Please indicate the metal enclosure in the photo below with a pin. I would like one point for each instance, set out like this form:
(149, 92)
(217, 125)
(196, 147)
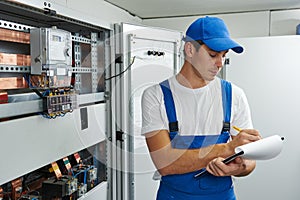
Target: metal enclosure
(144, 56)
(268, 71)
(29, 141)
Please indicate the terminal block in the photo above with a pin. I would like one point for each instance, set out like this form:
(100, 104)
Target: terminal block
(63, 103)
(58, 103)
(91, 177)
(82, 189)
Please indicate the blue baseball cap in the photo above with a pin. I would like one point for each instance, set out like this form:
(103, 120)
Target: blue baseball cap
(213, 32)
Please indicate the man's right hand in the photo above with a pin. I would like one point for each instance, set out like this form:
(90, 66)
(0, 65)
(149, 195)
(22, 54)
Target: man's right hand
(245, 136)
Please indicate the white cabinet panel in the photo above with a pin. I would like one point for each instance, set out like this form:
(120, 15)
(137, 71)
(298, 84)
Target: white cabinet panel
(33, 142)
(269, 73)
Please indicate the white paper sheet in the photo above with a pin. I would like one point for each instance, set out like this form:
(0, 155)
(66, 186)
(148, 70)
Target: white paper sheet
(264, 149)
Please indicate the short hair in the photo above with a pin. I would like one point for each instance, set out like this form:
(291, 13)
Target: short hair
(196, 43)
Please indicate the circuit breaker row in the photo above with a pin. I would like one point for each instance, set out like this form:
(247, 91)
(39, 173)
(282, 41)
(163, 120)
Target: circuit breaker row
(58, 180)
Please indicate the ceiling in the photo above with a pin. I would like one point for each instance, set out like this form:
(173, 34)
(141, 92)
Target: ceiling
(146, 9)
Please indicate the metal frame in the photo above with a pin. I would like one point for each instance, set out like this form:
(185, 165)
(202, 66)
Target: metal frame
(15, 69)
(117, 92)
(81, 39)
(94, 59)
(77, 60)
(110, 108)
(14, 26)
(122, 90)
(36, 105)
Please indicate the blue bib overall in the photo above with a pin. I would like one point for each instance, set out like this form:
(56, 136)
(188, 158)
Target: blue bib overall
(185, 186)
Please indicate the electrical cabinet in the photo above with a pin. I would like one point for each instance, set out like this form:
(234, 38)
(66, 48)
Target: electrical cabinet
(53, 104)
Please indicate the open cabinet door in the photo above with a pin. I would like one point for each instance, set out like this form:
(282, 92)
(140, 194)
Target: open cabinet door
(144, 56)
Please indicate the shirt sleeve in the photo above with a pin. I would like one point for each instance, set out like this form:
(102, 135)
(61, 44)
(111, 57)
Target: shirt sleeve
(153, 111)
(241, 111)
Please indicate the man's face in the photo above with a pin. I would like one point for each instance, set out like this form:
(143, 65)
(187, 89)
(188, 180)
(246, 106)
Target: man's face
(207, 63)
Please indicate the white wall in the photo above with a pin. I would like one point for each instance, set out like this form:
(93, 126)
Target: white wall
(247, 24)
(285, 22)
(250, 24)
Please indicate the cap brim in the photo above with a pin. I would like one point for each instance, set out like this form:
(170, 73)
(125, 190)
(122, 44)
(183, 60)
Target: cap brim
(223, 44)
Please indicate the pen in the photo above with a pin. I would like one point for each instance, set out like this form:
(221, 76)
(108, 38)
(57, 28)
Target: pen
(226, 161)
(237, 129)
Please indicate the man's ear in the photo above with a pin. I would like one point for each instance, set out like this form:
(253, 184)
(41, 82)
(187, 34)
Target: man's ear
(189, 49)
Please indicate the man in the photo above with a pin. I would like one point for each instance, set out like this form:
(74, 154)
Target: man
(188, 119)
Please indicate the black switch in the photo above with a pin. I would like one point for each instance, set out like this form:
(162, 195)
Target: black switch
(84, 118)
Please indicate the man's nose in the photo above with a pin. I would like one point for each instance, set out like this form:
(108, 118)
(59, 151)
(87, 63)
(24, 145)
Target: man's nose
(220, 61)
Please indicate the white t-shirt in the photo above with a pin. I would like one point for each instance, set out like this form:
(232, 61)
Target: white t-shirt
(199, 111)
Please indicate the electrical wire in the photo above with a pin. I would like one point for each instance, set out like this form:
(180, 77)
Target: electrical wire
(27, 79)
(85, 173)
(84, 179)
(81, 171)
(122, 71)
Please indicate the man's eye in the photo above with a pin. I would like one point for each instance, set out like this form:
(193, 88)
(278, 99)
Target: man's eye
(213, 55)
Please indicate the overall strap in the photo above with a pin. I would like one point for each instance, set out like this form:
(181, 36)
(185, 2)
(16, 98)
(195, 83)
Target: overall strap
(170, 106)
(227, 102)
